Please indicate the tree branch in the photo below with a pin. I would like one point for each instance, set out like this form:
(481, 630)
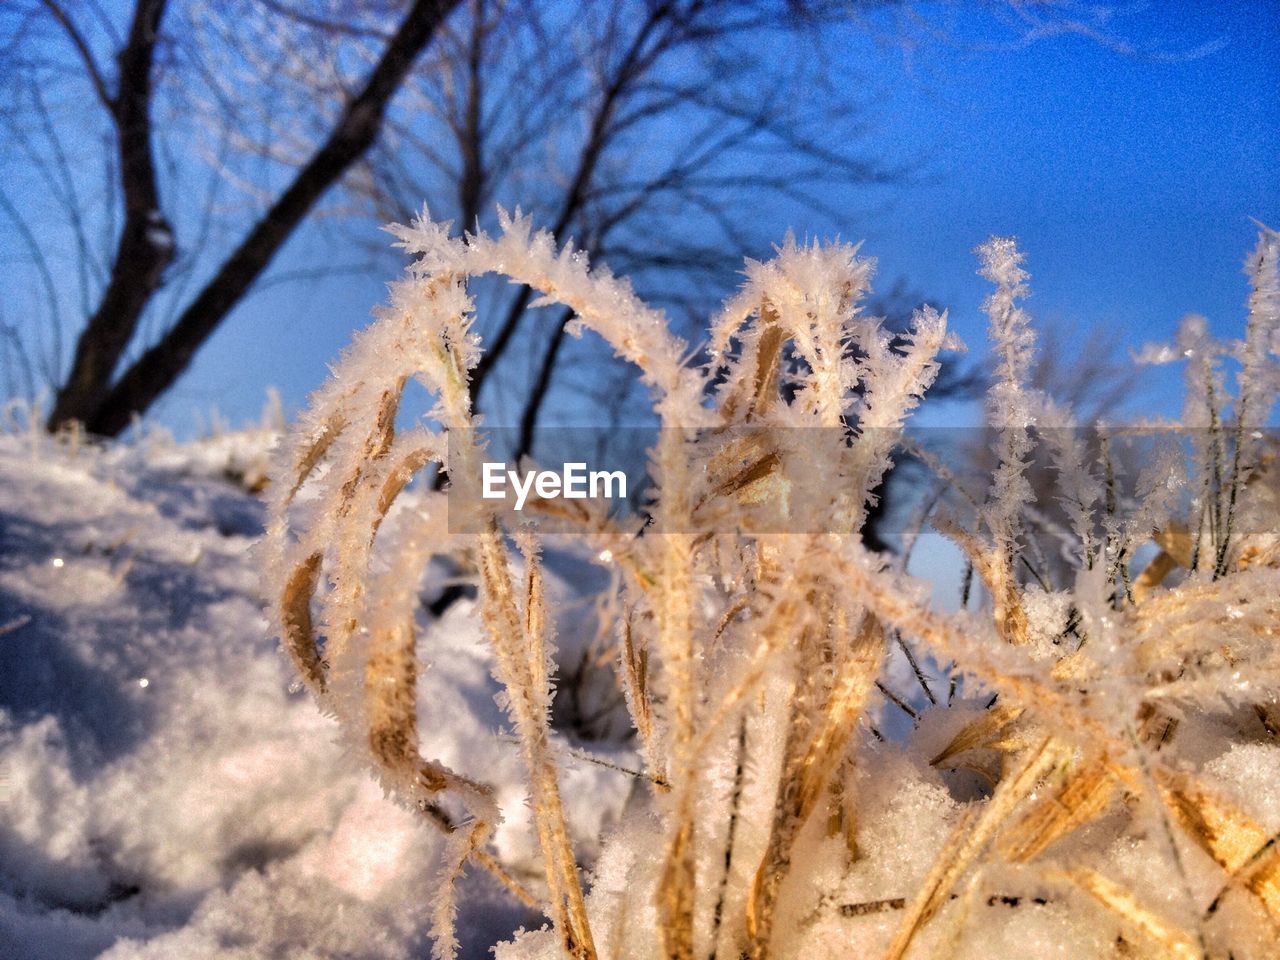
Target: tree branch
(82, 48)
(354, 132)
(633, 63)
(529, 419)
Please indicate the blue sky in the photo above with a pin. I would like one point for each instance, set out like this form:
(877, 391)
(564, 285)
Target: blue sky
(1129, 182)
(1129, 179)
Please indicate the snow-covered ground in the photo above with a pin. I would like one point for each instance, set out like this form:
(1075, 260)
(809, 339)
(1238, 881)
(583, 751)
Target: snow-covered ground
(168, 791)
(165, 789)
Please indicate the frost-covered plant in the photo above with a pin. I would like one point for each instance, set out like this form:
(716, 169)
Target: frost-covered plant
(1122, 726)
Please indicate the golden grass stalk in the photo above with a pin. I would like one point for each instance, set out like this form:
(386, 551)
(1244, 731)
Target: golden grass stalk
(810, 772)
(969, 839)
(1238, 844)
(520, 647)
(709, 603)
(1159, 931)
(1084, 793)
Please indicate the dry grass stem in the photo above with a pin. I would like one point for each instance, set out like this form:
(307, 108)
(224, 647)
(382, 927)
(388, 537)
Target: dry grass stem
(1116, 708)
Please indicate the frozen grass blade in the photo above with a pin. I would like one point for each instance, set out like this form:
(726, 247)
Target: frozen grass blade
(750, 623)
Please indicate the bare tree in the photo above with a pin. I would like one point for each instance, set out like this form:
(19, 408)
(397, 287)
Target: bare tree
(653, 134)
(650, 133)
(179, 150)
(95, 391)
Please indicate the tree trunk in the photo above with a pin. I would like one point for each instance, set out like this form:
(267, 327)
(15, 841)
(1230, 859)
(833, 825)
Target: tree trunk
(145, 247)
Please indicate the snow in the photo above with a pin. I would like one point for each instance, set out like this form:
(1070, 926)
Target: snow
(165, 788)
